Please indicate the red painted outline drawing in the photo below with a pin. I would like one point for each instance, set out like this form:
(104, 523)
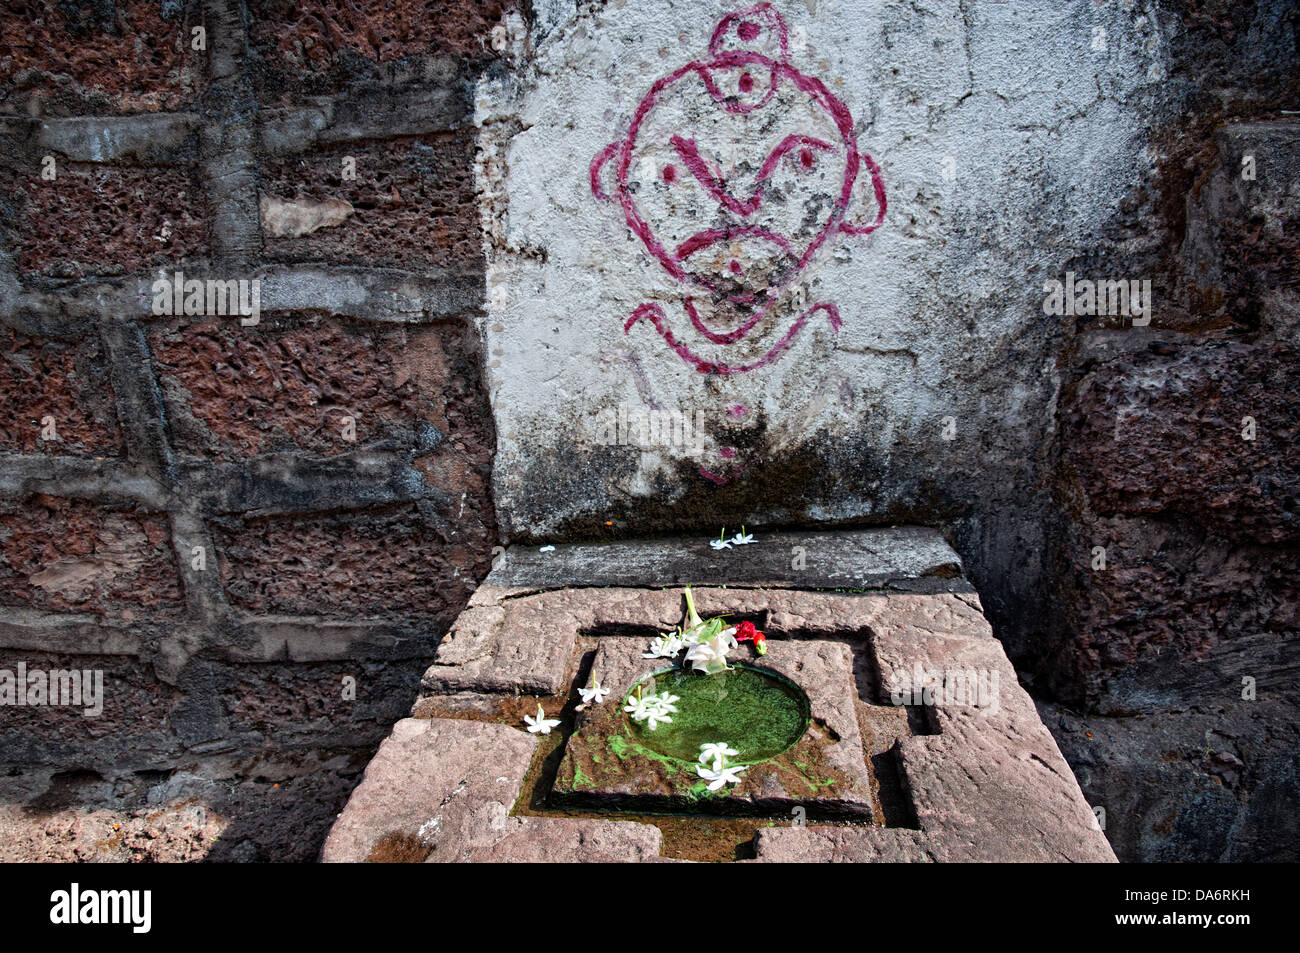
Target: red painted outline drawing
(728, 76)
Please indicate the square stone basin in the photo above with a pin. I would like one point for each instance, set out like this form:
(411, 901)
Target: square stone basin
(612, 763)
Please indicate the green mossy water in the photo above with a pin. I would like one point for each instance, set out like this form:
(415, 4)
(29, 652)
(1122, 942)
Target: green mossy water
(759, 713)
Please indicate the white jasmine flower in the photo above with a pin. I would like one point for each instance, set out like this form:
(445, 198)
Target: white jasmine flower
(657, 716)
(720, 543)
(741, 538)
(718, 752)
(541, 724)
(666, 646)
(654, 710)
(711, 657)
(717, 777)
(638, 708)
(661, 708)
(594, 695)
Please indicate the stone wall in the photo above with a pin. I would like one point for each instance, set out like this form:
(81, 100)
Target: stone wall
(235, 522)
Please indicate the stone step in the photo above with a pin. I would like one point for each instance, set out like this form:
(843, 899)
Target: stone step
(827, 559)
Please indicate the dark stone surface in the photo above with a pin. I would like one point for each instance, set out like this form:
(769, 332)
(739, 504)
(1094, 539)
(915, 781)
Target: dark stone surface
(910, 556)
(1211, 783)
(1149, 658)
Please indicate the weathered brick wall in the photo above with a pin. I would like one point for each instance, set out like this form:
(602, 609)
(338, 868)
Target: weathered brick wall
(201, 524)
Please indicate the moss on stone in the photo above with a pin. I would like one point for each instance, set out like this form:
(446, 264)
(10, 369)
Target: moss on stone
(757, 712)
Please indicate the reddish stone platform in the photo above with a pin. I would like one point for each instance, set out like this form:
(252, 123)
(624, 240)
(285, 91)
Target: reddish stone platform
(962, 775)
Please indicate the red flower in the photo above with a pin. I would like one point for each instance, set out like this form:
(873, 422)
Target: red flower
(745, 632)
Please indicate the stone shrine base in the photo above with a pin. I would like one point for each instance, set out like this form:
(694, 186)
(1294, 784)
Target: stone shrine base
(888, 770)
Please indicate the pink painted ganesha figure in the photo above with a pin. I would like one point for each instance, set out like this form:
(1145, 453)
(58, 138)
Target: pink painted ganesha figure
(735, 171)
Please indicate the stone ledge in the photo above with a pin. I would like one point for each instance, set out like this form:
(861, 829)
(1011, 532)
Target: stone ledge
(827, 845)
(990, 782)
(817, 844)
(531, 840)
(520, 641)
(483, 653)
(836, 559)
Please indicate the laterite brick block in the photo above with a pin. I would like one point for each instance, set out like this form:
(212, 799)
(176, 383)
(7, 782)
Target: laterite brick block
(234, 392)
(412, 199)
(96, 220)
(64, 59)
(44, 381)
(78, 556)
(319, 46)
(392, 563)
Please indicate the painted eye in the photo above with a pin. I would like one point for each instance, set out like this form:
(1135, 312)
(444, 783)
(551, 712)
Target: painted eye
(746, 83)
(670, 173)
(807, 160)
